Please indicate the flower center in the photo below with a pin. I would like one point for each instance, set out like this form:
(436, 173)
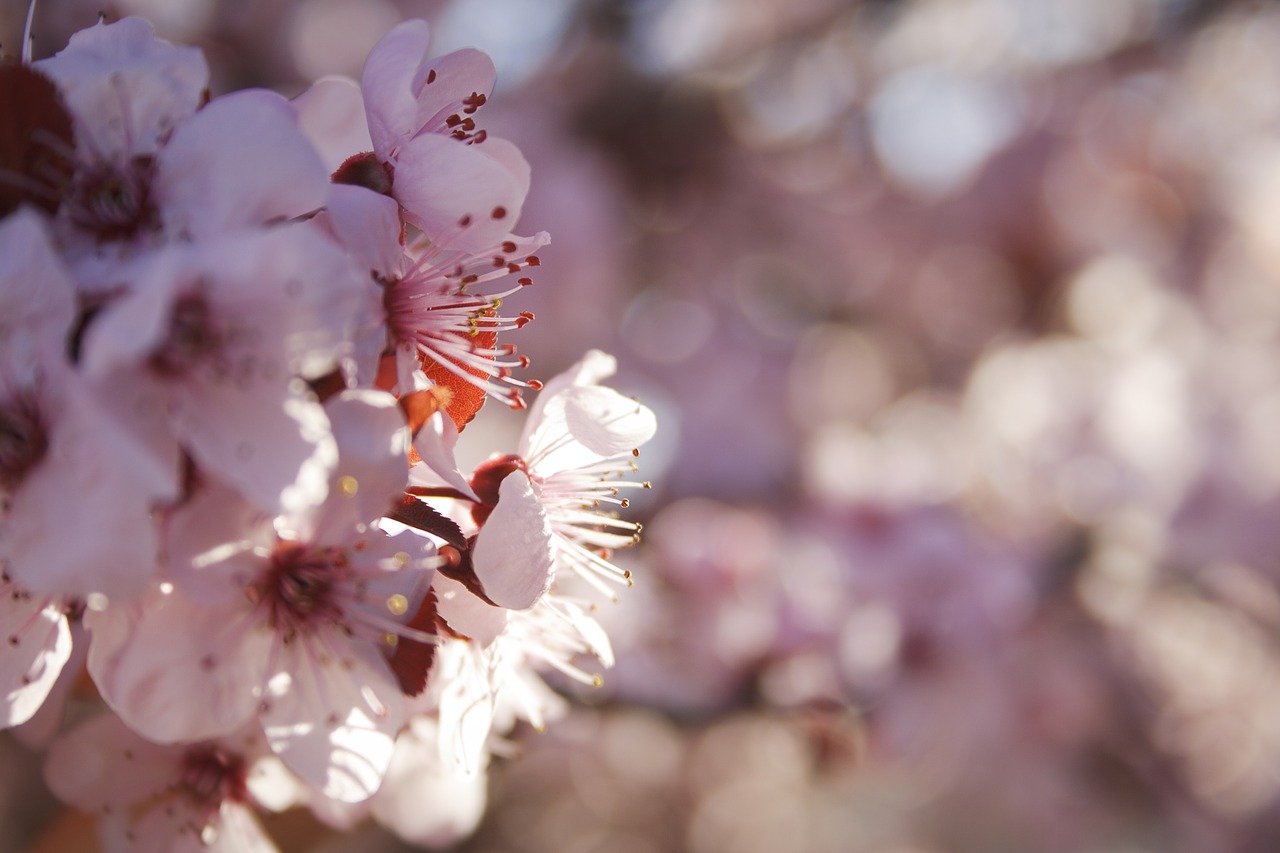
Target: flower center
(299, 589)
(114, 202)
(211, 776)
(24, 439)
(364, 170)
(191, 338)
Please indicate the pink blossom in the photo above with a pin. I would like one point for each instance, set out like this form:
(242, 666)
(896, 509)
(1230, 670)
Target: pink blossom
(164, 797)
(62, 455)
(576, 448)
(225, 332)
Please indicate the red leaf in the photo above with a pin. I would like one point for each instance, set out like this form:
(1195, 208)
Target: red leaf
(411, 661)
(36, 140)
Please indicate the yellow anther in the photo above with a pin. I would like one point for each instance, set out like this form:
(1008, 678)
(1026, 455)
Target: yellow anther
(348, 485)
(398, 604)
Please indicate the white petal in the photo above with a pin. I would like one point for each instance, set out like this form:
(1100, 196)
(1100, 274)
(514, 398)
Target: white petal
(605, 422)
(367, 225)
(176, 670)
(332, 715)
(454, 78)
(126, 88)
(462, 611)
(423, 801)
(372, 468)
(36, 295)
(38, 645)
(237, 831)
(331, 114)
(102, 763)
(273, 446)
(390, 103)
(443, 183)
(240, 161)
(435, 442)
(513, 554)
(97, 475)
(593, 368)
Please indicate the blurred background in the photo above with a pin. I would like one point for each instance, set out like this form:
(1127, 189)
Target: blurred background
(962, 322)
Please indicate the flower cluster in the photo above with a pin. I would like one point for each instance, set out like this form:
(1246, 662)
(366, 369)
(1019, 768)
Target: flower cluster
(239, 337)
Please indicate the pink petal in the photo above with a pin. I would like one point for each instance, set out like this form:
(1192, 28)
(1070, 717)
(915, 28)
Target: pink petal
(274, 447)
(331, 114)
(103, 764)
(513, 554)
(98, 475)
(372, 469)
(468, 615)
(126, 88)
(391, 105)
(423, 801)
(332, 714)
(367, 225)
(177, 670)
(443, 83)
(435, 442)
(38, 646)
(466, 197)
(240, 161)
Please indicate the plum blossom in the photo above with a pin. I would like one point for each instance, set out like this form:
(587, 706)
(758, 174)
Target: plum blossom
(441, 306)
(460, 186)
(574, 456)
(224, 333)
(285, 619)
(61, 453)
(154, 797)
(236, 354)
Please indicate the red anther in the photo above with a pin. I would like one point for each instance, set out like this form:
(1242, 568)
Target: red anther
(513, 268)
(500, 212)
(508, 349)
(524, 282)
(453, 120)
(508, 247)
(480, 136)
(517, 402)
(499, 263)
(468, 124)
(504, 373)
(524, 361)
(470, 279)
(473, 103)
(431, 76)
(536, 384)
(465, 221)
(533, 261)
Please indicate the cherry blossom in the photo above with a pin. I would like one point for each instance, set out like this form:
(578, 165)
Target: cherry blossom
(154, 797)
(574, 455)
(239, 338)
(60, 450)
